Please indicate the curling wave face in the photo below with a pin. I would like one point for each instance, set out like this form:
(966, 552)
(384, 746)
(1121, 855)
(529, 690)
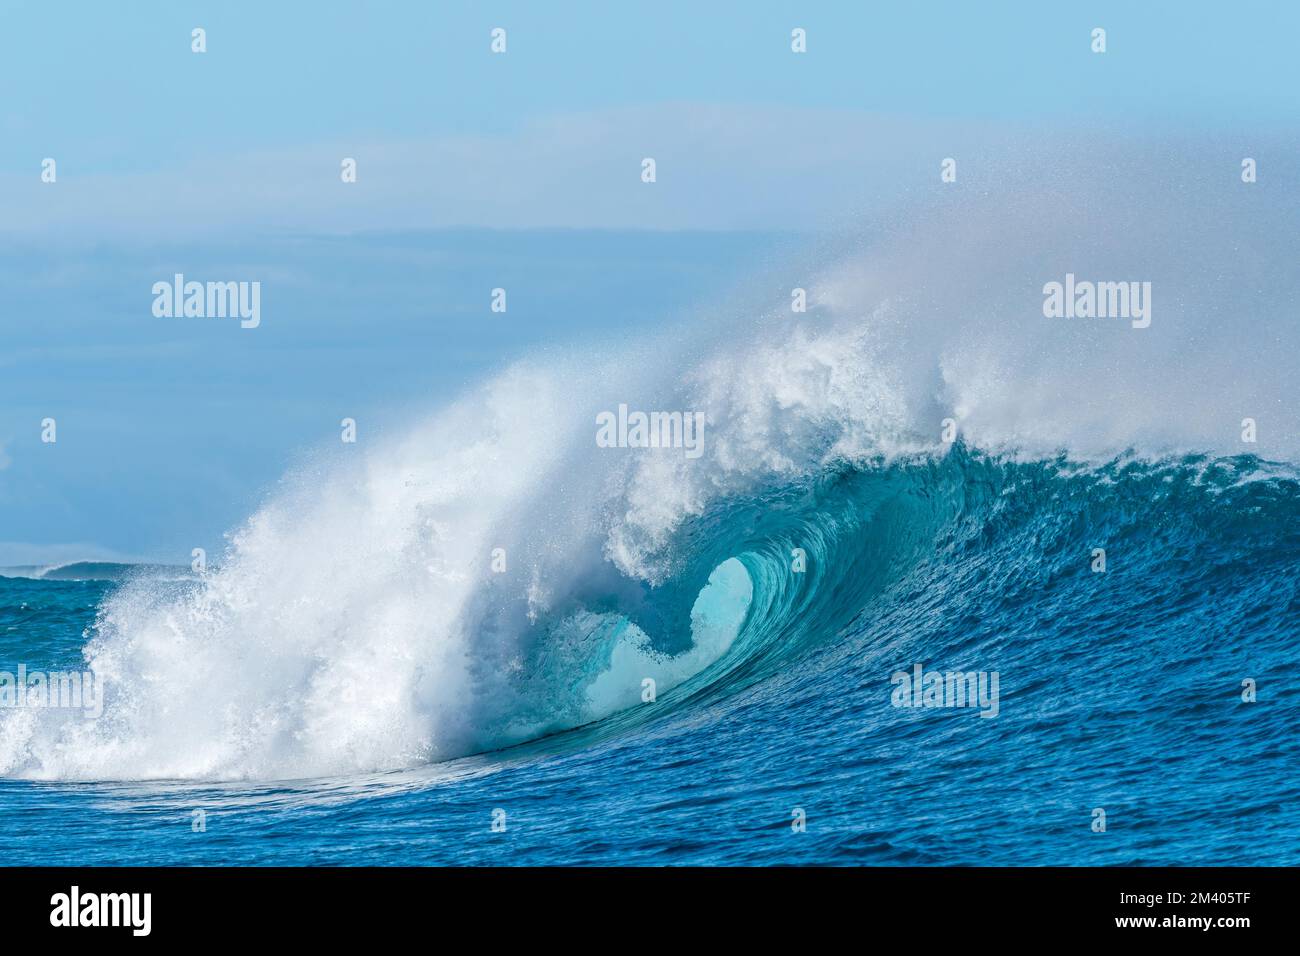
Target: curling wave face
(496, 577)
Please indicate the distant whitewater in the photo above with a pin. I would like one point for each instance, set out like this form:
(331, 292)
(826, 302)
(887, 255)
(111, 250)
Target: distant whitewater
(91, 571)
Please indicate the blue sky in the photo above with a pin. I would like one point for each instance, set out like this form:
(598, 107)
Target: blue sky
(152, 137)
(228, 163)
(118, 87)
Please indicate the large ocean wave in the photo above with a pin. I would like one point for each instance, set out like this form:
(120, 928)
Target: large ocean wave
(362, 619)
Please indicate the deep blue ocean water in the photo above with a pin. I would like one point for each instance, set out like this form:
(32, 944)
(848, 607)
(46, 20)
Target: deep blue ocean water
(1119, 690)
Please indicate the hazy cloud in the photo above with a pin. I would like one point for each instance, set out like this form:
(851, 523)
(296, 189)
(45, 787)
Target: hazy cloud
(719, 167)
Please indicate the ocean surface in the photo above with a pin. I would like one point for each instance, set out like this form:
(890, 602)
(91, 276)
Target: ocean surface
(1119, 690)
